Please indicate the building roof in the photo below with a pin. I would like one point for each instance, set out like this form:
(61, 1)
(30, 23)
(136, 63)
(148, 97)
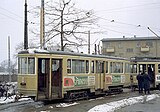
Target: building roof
(129, 39)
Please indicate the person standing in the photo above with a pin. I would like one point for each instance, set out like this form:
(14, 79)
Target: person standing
(140, 82)
(147, 80)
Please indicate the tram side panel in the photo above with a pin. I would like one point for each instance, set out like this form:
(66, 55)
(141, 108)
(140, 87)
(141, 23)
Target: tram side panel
(115, 78)
(76, 82)
(27, 78)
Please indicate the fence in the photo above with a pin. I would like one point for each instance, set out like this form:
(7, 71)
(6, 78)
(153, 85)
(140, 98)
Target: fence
(5, 77)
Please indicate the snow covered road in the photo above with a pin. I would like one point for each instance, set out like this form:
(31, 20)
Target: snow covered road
(112, 106)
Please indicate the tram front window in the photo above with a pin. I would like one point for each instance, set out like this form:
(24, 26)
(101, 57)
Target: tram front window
(26, 65)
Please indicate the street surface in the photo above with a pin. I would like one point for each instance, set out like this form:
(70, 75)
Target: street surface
(150, 106)
(84, 105)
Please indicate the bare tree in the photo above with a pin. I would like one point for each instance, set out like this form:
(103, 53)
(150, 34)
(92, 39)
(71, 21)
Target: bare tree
(4, 66)
(67, 24)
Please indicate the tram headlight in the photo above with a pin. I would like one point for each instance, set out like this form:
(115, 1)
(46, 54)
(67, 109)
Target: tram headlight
(23, 82)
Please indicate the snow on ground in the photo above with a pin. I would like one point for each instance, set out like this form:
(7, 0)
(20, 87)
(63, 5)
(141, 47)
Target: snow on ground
(12, 90)
(112, 106)
(66, 104)
(4, 100)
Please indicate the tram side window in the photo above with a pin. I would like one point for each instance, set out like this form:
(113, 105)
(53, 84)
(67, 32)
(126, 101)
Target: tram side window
(133, 68)
(69, 66)
(111, 67)
(43, 66)
(92, 67)
(127, 68)
(55, 65)
(116, 67)
(31, 65)
(87, 66)
(78, 66)
(158, 68)
(99, 67)
(106, 67)
(19, 65)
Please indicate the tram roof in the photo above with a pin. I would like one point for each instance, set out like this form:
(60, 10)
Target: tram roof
(41, 51)
(145, 59)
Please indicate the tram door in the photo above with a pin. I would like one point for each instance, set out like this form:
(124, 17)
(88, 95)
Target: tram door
(56, 78)
(150, 68)
(43, 78)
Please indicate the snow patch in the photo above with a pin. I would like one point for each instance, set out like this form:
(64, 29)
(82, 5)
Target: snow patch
(32, 51)
(11, 99)
(66, 104)
(112, 106)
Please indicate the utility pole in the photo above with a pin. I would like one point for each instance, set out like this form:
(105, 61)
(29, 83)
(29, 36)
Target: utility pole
(62, 48)
(42, 34)
(9, 59)
(89, 44)
(98, 49)
(95, 49)
(25, 27)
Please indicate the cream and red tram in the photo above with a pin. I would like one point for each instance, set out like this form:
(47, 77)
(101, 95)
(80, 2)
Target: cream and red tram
(47, 75)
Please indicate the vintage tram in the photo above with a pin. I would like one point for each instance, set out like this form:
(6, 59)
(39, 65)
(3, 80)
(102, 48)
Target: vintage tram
(151, 65)
(48, 75)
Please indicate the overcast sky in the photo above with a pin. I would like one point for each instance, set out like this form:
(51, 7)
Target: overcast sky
(127, 15)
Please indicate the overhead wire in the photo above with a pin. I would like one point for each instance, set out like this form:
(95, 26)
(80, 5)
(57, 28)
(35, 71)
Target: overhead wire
(129, 7)
(10, 12)
(11, 18)
(118, 22)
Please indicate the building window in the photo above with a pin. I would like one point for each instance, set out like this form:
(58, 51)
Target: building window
(119, 45)
(138, 44)
(129, 50)
(149, 44)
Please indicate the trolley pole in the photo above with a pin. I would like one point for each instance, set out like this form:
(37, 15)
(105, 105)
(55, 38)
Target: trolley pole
(9, 59)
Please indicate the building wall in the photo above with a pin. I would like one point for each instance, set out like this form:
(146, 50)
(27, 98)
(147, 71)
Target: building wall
(132, 48)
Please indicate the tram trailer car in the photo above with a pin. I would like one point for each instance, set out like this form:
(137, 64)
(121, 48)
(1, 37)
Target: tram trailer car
(48, 75)
(152, 66)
